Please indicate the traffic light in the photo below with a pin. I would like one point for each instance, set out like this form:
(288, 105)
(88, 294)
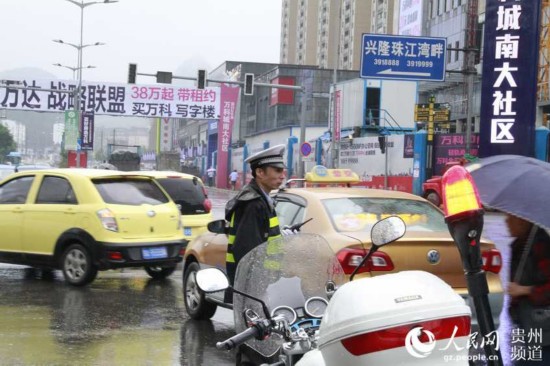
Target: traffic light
(164, 77)
(201, 79)
(132, 71)
(248, 84)
(382, 143)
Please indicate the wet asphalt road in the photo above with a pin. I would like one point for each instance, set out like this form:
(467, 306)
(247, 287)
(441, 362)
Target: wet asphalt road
(122, 318)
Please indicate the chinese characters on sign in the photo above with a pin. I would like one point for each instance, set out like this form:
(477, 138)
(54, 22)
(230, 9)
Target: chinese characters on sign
(337, 114)
(87, 131)
(115, 99)
(440, 112)
(452, 147)
(400, 57)
(71, 130)
(526, 345)
(410, 17)
(508, 98)
(228, 101)
(165, 134)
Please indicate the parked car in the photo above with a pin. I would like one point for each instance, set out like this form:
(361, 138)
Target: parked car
(189, 193)
(344, 217)
(85, 220)
(431, 188)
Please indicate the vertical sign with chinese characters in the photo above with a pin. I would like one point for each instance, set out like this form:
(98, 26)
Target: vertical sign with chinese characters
(71, 130)
(337, 114)
(410, 17)
(165, 134)
(228, 104)
(508, 95)
(87, 129)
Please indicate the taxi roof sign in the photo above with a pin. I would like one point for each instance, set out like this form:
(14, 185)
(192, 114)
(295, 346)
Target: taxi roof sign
(320, 174)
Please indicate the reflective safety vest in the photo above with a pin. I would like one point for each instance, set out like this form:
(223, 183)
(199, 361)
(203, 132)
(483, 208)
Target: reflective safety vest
(273, 233)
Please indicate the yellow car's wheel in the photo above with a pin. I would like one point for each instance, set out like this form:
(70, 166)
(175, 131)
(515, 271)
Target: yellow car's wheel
(77, 266)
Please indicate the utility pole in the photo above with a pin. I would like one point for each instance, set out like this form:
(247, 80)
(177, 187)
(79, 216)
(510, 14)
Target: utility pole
(302, 133)
(469, 69)
(333, 133)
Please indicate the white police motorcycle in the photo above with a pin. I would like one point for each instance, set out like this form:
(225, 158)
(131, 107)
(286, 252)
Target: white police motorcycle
(293, 306)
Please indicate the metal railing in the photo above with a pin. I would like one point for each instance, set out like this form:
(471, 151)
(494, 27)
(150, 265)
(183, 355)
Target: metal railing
(382, 119)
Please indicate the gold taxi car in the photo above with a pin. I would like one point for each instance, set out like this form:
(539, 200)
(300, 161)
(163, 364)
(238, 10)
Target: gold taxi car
(344, 216)
(85, 220)
(189, 193)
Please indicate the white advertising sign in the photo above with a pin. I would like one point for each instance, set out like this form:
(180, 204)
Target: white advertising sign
(115, 99)
(410, 17)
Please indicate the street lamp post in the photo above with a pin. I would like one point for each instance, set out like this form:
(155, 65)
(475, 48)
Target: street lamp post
(74, 69)
(81, 4)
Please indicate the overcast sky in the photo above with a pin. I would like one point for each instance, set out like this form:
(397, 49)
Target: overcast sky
(159, 35)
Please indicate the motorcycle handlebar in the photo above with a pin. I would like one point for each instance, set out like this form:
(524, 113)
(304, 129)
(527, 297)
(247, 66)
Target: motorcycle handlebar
(237, 340)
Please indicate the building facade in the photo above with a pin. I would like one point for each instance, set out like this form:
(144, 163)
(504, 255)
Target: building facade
(327, 33)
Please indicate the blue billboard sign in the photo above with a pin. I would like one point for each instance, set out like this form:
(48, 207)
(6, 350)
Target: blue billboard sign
(406, 58)
(509, 84)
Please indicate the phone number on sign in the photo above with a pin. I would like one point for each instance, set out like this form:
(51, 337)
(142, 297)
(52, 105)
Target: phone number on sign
(386, 62)
(420, 63)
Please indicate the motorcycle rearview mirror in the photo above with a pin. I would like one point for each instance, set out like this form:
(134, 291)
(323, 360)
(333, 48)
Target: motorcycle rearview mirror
(387, 230)
(384, 232)
(212, 280)
(217, 227)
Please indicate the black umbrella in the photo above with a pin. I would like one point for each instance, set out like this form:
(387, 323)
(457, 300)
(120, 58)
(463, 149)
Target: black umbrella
(517, 185)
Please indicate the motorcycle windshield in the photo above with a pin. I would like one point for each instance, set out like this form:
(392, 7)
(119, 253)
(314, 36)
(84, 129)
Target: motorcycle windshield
(285, 271)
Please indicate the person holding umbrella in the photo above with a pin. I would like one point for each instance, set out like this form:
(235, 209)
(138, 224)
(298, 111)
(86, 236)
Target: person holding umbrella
(519, 186)
(529, 290)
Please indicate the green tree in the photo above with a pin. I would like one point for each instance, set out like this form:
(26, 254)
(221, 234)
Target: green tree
(7, 143)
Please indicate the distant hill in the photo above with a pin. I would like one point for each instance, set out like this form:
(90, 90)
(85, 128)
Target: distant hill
(26, 73)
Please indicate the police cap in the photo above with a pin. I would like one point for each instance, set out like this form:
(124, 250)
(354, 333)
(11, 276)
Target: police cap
(268, 157)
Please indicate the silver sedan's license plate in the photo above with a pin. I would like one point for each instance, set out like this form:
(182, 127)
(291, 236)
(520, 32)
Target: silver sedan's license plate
(154, 253)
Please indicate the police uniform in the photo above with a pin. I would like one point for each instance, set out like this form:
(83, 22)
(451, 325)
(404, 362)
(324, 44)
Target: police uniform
(251, 214)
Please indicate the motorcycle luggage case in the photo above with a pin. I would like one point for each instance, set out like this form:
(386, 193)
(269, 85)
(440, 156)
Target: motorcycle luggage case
(370, 321)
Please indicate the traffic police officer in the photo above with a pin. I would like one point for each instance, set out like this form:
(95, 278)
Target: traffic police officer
(251, 213)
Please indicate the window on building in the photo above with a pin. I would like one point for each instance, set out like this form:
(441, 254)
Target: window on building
(457, 45)
(440, 7)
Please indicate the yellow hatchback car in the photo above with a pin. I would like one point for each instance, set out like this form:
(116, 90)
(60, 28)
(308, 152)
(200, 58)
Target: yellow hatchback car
(85, 220)
(344, 216)
(189, 193)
